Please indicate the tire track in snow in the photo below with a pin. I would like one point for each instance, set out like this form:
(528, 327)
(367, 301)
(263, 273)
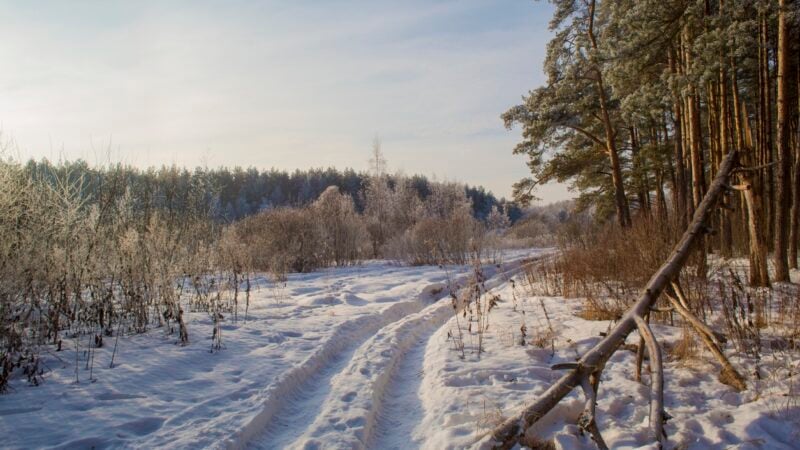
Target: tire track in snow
(349, 414)
(301, 405)
(375, 398)
(292, 402)
(402, 409)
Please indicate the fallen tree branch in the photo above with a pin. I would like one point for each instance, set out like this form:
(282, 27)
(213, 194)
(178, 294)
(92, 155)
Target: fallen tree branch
(640, 355)
(718, 339)
(588, 418)
(656, 380)
(679, 294)
(509, 432)
(729, 375)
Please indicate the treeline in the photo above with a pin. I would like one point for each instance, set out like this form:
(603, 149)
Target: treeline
(233, 194)
(645, 98)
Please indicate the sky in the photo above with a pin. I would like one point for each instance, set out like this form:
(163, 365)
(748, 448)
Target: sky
(284, 84)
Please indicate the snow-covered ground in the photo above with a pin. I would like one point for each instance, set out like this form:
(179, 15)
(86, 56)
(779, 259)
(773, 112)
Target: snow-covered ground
(362, 357)
(466, 398)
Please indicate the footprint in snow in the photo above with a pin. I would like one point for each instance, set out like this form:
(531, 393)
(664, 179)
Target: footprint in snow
(142, 427)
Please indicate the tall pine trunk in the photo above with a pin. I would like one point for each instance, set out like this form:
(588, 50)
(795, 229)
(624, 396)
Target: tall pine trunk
(726, 233)
(795, 213)
(679, 194)
(783, 169)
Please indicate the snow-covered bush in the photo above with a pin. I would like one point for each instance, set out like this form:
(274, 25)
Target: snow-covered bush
(391, 208)
(497, 224)
(342, 230)
(445, 233)
(284, 240)
(235, 260)
(84, 260)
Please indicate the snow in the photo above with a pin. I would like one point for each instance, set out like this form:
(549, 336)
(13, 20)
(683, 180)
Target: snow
(470, 397)
(360, 357)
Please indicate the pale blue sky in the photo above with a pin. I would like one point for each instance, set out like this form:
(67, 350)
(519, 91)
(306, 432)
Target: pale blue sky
(291, 84)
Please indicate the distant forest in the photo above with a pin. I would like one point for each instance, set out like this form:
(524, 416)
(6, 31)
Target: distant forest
(233, 194)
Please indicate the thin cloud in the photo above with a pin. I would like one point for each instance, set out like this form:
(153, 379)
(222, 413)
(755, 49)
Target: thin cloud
(276, 84)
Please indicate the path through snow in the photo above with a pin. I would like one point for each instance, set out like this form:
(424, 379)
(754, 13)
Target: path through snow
(402, 410)
(360, 358)
(291, 411)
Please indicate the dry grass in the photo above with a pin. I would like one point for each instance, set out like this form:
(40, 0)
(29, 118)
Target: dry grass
(491, 416)
(608, 266)
(686, 348)
(543, 278)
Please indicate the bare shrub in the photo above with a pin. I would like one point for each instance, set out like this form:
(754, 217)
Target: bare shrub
(447, 232)
(743, 311)
(281, 240)
(608, 266)
(329, 232)
(541, 225)
(392, 206)
(497, 225)
(685, 349)
(435, 240)
(234, 258)
(378, 197)
(84, 260)
(343, 232)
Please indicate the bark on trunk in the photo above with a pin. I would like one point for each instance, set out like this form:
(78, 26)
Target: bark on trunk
(783, 192)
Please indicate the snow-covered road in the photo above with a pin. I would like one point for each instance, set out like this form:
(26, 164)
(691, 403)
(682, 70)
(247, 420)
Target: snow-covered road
(361, 358)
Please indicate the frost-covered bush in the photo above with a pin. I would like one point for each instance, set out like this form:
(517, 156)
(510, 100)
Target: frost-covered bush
(284, 240)
(329, 232)
(392, 206)
(497, 224)
(84, 261)
(342, 230)
(446, 232)
(439, 240)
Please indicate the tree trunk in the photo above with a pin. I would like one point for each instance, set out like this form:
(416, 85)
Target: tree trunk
(698, 175)
(620, 200)
(640, 175)
(661, 200)
(679, 186)
(759, 274)
(766, 180)
(795, 213)
(783, 191)
(752, 197)
(726, 234)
